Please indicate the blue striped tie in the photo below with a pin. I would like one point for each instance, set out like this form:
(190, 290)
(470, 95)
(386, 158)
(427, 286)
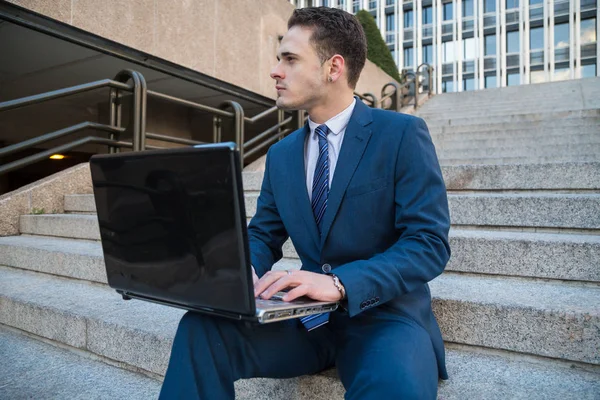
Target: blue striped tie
(320, 193)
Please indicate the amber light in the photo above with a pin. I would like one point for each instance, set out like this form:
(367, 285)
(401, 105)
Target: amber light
(57, 157)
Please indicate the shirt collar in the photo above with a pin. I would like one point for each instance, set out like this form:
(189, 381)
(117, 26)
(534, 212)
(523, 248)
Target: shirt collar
(338, 123)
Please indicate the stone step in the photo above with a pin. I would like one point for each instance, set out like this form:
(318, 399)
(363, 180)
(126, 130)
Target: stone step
(32, 369)
(529, 209)
(35, 369)
(525, 254)
(514, 138)
(529, 150)
(80, 203)
(579, 158)
(547, 319)
(576, 121)
(437, 120)
(63, 225)
(78, 259)
(505, 176)
(466, 110)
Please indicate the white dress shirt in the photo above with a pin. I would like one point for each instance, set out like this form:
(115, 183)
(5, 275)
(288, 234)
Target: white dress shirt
(337, 128)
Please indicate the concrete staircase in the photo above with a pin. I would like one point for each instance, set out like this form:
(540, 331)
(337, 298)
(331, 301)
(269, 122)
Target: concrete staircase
(518, 305)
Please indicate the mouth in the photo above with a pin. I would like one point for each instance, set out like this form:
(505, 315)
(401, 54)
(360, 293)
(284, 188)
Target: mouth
(279, 88)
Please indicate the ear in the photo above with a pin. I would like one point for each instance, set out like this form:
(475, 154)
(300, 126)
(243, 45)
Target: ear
(337, 67)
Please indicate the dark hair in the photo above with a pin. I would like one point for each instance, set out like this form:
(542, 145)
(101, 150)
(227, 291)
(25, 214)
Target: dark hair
(335, 32)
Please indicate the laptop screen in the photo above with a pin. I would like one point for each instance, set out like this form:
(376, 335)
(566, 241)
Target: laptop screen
(173, 226)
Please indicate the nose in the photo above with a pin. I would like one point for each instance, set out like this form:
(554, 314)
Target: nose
(276, 72)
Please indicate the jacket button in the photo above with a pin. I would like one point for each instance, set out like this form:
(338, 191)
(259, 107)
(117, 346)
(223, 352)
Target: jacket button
(326, 268)
(377, 299)
(362, 305)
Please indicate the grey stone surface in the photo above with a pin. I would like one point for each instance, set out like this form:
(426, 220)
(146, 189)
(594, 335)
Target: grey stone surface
(566, 175)
(513, 209)
(523, 176)
(90, 317)
(551, 319)
(517, 116)
(519, 160)
(568, 152)
(252, 179)
(486, 129)
(526, 254)
(526, 210)
(80, 203)
(525, 139)
(35, 370)
(62, 225)
(542, 255)
(80, 259)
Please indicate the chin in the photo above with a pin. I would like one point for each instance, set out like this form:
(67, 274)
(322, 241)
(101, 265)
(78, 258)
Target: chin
(288, 104)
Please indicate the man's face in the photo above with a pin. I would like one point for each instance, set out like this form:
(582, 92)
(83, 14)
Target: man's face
(300, 78)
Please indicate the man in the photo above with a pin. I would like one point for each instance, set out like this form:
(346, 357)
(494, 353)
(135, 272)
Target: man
(360, 193)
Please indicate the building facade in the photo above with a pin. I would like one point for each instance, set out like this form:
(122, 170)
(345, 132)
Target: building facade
(480, 44)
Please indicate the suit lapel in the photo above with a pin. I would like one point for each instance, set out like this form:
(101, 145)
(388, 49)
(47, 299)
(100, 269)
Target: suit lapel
(355, 141)
(298, 174)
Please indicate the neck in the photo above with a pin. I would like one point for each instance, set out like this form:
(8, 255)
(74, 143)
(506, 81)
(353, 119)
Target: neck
(331, 107)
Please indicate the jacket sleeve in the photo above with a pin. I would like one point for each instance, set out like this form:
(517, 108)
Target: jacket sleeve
(266, 232)
(422, 223)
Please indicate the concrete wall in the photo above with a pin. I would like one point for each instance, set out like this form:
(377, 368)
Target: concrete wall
(232, 40)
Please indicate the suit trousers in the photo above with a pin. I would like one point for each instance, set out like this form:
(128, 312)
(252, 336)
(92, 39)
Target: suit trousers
(378, 356)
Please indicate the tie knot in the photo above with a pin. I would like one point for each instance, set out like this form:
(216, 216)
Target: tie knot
(322, 131)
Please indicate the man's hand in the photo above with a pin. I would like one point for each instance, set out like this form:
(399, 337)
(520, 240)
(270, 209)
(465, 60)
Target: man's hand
(303, 283)
(254, 276)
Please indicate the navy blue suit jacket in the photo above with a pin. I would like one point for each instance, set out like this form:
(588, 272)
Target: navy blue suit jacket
(385, 231)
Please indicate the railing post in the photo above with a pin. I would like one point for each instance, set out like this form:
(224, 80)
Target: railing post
(238, 124)
(395, 98)
(137, 123)
(372, 98)
(217, 129)
(115, 116)
(298, 119)
(280, 118)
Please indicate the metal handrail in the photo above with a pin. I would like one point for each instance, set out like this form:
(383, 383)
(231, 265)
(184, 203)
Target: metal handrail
(23, 162)
(56, 94)
(134, 82)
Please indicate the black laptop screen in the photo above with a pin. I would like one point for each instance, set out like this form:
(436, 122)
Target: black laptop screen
(172, 225)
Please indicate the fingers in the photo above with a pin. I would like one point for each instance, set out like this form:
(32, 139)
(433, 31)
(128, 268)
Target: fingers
(254, 277)
(274, 281)
(298, 291)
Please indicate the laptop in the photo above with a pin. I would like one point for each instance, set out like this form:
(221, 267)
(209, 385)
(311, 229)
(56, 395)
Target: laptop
(173, 231)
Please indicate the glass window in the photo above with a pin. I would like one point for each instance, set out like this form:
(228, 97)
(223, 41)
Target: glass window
(342, 4)
(408, 19)
(468, 84)
(513, 79)
(355, 6)
(537, 76)
(490, 81)
(372, 5)
(561, 36)
(512, 4)
(536, 38)
(447, 14)
(448, 52)
(489, 6)
(389, 2)
(561, 74)
(490, 45)
(447, 86)
(469, 49)
(512, 42)
(393, 51)
(408, 57)
(533, 2)
(467, 8)
(587, 71)
(427, 15)
(325, 3)
(389, 22)
(588, 31)
(428, 54)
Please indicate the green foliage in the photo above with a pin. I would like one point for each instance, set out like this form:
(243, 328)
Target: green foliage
(377, 50)
(38, 211)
